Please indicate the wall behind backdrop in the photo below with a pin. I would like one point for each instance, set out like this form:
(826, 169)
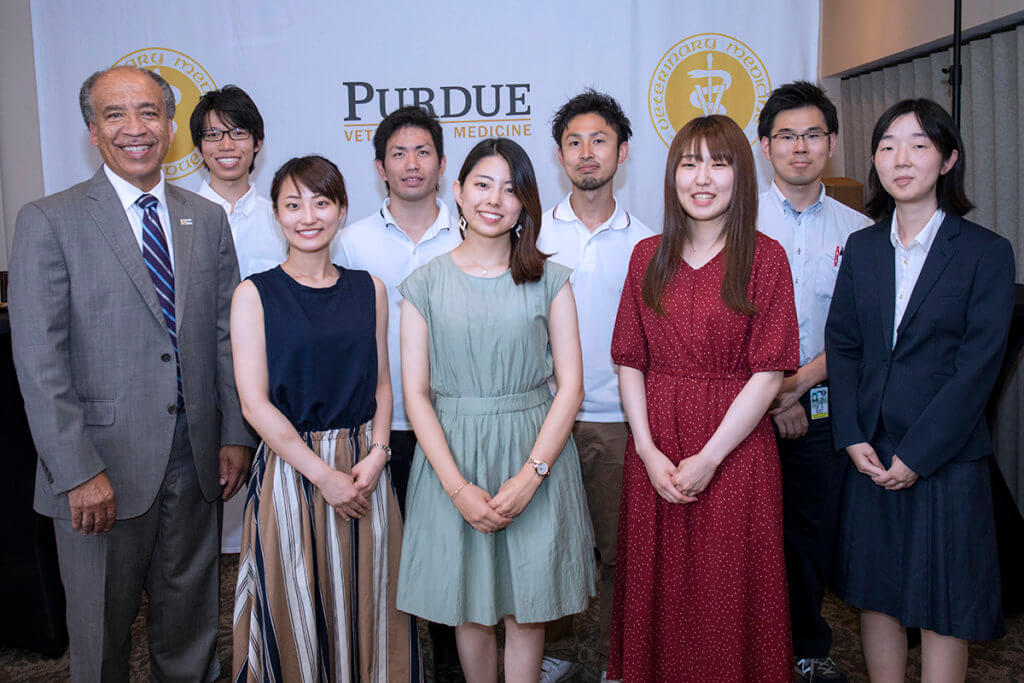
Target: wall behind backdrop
(324, 73)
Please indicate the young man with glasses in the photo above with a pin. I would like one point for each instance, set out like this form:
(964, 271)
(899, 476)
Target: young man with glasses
(590, 232)
(798, 127)
(227, 129)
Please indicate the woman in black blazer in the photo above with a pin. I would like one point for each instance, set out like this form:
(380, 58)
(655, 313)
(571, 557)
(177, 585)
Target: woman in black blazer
(914, 340)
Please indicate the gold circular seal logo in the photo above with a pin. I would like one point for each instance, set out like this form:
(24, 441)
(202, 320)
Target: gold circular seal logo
(189, 80)
(708, 73)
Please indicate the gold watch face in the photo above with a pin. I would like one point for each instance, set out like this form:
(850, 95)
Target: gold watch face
(541, 468)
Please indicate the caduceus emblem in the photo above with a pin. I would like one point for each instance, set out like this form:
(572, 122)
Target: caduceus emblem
(709, 88)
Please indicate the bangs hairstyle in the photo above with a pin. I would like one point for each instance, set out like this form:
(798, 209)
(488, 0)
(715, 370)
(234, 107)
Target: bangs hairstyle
(940, 128)
(726, 143)
(315, 173)
(526, 261)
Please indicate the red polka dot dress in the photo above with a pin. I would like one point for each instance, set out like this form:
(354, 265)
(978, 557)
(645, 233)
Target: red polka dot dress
(700, 589)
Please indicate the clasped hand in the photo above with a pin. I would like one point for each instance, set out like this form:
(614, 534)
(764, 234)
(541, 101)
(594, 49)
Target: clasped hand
(670, 482)
(340, 492)
(865, 459)
(474, 504)
(791, 421)
(349, 494)
(488, 514)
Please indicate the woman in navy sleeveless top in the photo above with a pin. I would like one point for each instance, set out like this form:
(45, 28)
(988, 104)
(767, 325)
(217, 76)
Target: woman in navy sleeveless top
(322, 533)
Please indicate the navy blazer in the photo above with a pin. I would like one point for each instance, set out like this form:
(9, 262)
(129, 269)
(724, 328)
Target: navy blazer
(930, 390)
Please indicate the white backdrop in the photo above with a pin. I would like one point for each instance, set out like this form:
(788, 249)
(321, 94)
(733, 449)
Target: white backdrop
(294, 59)
(319, 70)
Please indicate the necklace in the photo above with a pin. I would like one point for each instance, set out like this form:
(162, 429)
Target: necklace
(486, 268)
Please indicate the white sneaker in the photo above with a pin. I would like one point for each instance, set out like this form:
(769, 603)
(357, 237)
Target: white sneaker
(553, 670)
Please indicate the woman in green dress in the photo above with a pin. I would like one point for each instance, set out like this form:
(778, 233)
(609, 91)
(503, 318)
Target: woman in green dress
(497, 528)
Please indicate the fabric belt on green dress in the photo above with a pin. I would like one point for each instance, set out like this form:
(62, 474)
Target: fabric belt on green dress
(492, 405)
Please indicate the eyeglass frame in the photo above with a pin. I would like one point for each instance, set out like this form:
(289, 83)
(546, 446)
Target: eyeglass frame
(823, 135)
(237, 134)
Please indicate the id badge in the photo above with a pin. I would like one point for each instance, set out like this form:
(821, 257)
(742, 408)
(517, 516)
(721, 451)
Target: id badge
(819, 403)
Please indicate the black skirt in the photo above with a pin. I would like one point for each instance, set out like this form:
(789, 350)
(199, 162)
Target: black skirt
(925, 555)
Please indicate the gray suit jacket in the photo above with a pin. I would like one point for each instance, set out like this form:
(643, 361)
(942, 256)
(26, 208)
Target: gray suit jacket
(92, 351)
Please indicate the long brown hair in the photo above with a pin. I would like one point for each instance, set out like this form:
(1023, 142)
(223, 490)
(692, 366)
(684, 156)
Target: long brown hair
(526, 261)
(726, 142)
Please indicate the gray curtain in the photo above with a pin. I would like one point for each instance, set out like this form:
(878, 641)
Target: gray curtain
(992, 101)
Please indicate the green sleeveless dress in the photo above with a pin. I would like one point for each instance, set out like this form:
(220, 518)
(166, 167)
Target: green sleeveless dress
(490, 359)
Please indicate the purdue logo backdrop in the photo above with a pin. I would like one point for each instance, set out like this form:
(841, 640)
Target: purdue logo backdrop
(324, 73)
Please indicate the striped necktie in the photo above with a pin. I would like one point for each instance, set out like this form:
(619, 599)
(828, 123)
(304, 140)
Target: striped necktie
(158, 263)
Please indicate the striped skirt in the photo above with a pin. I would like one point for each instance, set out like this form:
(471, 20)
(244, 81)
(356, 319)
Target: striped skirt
(315, 599)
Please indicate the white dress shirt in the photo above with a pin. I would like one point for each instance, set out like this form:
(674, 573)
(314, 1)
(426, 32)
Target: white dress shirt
(259, 243)
(814, 240)
(129, 194)
(599, 261)
(909, 261)
(376, 244)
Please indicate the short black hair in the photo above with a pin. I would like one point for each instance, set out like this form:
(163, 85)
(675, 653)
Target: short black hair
(315, 173)
(796, 95)
(234, 106)
(415, 116)
(591, 101)
(940, 128)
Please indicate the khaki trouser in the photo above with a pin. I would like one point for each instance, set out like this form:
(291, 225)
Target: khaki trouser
(602, 447)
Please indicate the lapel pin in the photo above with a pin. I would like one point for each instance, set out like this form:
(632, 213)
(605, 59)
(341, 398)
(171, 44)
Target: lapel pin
(185, 221)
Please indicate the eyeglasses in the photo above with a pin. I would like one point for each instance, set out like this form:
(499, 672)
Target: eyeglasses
(811, 137)
(216, 134)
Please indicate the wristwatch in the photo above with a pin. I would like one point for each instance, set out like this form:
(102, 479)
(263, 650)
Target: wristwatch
(540, 467)
(384, 447)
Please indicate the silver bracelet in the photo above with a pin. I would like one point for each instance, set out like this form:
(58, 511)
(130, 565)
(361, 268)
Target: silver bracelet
(384, 447)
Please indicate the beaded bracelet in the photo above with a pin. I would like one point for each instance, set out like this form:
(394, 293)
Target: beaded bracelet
(458, 490)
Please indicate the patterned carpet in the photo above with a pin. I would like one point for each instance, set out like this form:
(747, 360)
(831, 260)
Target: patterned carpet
(998, 661)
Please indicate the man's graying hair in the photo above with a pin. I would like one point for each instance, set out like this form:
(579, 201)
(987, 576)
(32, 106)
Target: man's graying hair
(85, 94)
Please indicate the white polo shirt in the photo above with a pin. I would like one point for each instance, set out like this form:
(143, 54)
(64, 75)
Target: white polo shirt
(814, 240)
(908, 262)
(259, 243)
(599, 261)
(376, 244)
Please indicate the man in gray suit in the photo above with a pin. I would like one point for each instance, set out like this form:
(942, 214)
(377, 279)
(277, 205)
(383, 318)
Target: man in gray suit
(120, 293)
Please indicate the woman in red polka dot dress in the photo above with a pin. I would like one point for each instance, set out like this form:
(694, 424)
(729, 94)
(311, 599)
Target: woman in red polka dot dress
(706, 327)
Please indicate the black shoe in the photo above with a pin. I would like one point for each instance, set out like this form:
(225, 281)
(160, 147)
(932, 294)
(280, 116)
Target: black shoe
(818, 670)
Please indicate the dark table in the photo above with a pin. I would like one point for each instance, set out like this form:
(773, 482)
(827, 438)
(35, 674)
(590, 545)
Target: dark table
(30, 588)
(1009, 523)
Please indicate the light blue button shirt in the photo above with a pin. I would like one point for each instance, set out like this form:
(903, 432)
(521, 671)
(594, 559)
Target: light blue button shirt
(814, 240)
(377, 245)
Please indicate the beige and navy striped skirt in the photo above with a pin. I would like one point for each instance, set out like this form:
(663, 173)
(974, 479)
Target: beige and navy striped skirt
(315, 599)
